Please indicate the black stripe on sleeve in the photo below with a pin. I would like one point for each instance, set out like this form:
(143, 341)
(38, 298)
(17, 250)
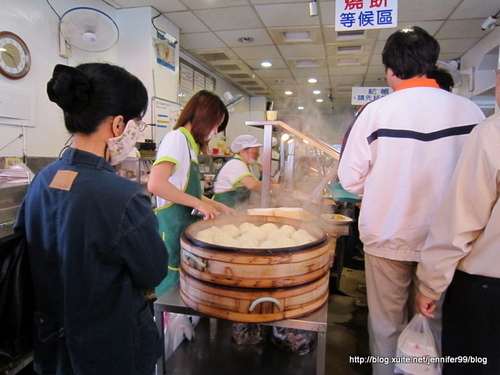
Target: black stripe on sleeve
(424, 137)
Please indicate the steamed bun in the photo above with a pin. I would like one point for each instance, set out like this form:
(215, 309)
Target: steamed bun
(302, 237)
(275, 234)
(268, 227)
(245, 227)
(231, 229)
(288, 230)
(267, 244)
(258, 233)
(285, 242)
(230, 242)
(247, 240)
(221, 238)
(204, 235)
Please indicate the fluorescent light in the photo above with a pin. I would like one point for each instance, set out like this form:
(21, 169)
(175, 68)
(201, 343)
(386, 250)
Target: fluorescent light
(306, 63)
(266, 64)
(312, 80)
(297, 36)
(319, 100)
(288, 92)
(2, 49)
(317, 92)
(300, 107)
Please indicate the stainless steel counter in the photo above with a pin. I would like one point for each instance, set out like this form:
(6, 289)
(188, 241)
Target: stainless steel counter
(10, 200)
(316, 321)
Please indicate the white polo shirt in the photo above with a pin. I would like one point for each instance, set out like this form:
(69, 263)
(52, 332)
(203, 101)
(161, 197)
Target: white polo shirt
(178, 147)
(230, 175)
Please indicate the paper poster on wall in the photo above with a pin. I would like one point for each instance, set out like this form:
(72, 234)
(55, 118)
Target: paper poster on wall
(165, 52)
(165, 115)
(192, 80)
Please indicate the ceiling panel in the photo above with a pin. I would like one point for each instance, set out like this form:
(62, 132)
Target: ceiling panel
(210, 30)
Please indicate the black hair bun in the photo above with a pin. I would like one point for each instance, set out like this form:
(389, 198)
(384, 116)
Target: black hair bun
(69, 89)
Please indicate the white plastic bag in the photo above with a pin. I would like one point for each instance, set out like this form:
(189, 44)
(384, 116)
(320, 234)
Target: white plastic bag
(178, 327)
(417, 350)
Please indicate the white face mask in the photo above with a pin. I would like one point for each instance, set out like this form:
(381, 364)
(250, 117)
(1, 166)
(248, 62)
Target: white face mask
(252, 161)
(211, 135)
(119, 147)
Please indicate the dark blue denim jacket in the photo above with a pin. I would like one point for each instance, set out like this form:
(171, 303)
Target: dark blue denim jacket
(93, 250)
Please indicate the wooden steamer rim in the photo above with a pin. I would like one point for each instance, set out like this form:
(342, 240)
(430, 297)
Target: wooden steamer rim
(235, 303)
(255, 267)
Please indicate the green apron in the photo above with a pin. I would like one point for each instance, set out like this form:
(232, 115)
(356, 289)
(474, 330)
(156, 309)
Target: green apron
(172, 220)
(233, 197)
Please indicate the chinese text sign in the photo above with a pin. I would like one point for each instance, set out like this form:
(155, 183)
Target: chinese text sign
(365, 14)
(363, 95)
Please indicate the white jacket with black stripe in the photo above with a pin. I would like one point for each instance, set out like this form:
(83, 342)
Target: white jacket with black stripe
(400, 154)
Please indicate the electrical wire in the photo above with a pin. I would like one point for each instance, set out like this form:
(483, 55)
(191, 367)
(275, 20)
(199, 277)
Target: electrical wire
(51, 7)
(153, 23)
(15, 139)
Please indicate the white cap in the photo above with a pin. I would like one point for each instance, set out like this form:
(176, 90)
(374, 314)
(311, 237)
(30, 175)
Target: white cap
(244, 141)
(274, 142)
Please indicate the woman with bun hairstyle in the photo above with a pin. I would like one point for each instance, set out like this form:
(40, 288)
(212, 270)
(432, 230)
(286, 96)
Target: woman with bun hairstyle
(92, 235)
(175, 176)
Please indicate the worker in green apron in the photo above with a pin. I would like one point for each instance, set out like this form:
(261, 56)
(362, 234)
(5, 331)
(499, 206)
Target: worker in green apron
(235, 180)
(175, 176)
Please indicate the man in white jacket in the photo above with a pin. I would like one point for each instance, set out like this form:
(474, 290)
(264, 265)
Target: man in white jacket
(400, 153)
(462, 254)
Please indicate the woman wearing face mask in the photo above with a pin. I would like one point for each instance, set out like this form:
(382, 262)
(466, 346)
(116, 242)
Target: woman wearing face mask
(175, 176)
(92, 235)
(235, 180)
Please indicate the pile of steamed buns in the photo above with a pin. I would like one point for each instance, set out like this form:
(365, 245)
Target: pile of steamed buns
(248, 235)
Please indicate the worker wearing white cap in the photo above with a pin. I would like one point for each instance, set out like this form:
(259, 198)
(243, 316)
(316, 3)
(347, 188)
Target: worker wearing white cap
(235, 180)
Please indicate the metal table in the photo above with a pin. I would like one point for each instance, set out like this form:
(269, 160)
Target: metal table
(171, 301)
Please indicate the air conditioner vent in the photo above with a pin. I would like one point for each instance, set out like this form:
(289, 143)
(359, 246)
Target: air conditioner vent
(248, 83)
(228, 67)
(213, 56)
(238, 76)
(341, 49)
(306, 63)
(350, 33)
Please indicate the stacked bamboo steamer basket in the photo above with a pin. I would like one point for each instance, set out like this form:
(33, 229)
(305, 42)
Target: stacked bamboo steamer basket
(254, 284)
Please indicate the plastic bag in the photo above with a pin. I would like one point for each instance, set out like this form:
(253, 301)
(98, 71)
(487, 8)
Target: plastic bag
(249, 333)
(178, 327)
(294, 340)
(416, 349)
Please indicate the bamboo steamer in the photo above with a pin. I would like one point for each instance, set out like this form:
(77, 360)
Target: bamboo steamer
(255, 267)
(253, 305)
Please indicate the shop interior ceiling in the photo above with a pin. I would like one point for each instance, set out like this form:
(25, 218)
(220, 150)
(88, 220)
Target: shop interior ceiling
(214, 33)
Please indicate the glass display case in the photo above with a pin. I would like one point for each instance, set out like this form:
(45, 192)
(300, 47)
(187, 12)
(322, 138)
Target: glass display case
(307, 164)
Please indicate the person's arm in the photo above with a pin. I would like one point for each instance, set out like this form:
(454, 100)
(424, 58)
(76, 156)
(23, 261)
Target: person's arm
(253, 184)
(140, 245)
(355, 158)
(425, 305)
(160, 185)
(462, 217)
(220, 207)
